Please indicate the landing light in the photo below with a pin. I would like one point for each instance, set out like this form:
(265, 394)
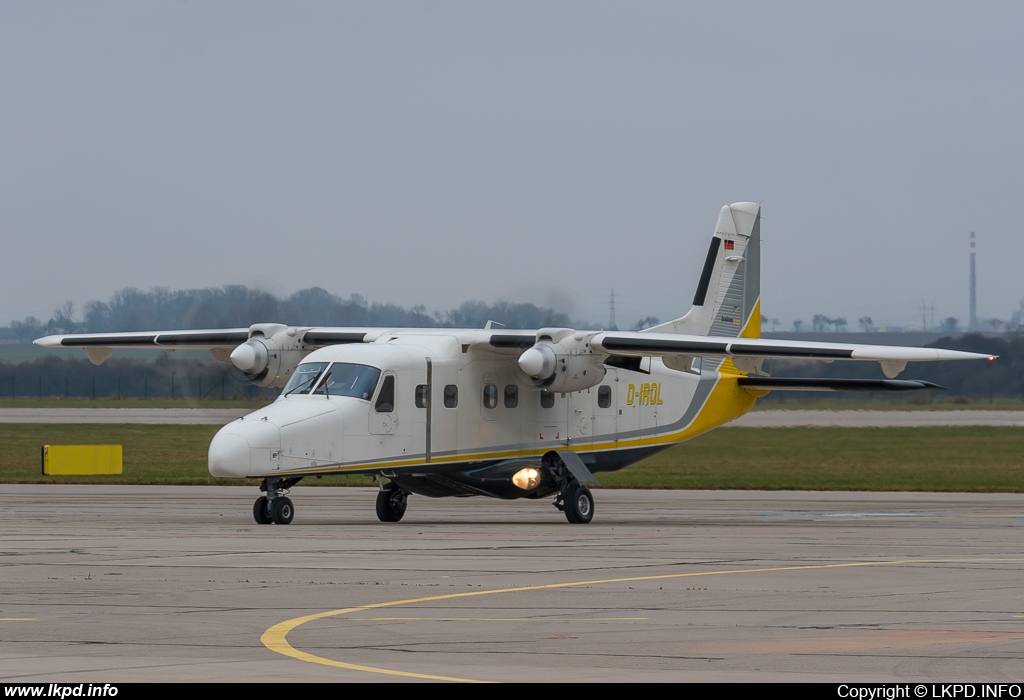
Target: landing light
(527, 479)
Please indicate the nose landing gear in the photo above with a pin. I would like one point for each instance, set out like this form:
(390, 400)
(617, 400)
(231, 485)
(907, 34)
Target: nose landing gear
(275, 507)
(261, 511)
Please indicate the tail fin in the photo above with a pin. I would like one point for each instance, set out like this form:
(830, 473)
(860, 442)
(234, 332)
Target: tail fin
(728, 298)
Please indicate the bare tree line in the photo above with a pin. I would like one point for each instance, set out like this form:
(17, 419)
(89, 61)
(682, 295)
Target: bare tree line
(132, 309)
(233, 306)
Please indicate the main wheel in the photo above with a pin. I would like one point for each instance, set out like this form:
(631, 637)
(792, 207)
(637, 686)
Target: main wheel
(578, 504)
(282, 511)
(391, 504)
(260, 512)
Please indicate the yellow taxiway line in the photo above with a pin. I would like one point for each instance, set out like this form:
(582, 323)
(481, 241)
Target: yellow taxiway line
(275, 638)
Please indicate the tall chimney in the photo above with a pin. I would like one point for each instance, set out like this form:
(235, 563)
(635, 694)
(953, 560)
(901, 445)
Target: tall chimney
(972, 324)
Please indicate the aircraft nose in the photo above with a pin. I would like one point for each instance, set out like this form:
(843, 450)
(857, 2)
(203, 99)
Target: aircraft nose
(230, 456)
(247, 447)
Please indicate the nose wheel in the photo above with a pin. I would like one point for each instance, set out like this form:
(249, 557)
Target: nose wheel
(261, 511)
(275, 507)
(280, 512)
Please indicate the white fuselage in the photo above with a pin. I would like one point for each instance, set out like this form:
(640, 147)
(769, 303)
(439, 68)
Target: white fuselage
(456, 404)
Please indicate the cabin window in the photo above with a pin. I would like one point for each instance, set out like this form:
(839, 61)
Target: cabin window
(490, 395)
(422, 396)
(511, 396)
(547, 400)
(451, 396)
(604, 396)
(386, 397)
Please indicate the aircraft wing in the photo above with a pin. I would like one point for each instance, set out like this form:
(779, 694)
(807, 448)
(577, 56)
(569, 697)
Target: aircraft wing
(252, 349)
(222, 342)
(748, 352)
(198, 340)
(201, 339)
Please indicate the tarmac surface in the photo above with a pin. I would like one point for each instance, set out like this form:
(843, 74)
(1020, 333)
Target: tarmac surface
(117, 584)
(754, 419)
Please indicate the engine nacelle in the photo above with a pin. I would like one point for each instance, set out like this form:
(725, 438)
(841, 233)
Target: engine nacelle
(271, 354)
(562, 361)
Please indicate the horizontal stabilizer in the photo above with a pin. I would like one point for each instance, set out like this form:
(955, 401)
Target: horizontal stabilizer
(811, 384)
(892, 358)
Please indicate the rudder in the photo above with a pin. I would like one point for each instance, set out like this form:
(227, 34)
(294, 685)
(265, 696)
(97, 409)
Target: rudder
(728, 297)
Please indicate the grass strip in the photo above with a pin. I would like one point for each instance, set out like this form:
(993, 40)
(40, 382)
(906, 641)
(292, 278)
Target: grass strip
(975, 458)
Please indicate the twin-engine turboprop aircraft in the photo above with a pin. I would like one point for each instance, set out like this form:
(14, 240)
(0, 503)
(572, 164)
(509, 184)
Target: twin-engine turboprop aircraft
(505, 413)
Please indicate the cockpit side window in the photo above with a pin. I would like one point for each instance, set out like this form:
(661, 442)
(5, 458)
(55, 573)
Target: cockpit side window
(386, 398)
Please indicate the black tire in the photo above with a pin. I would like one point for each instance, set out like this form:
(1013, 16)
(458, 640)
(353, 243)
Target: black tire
(282, 511)
(578, 504)
(391, 504)
(260, 512)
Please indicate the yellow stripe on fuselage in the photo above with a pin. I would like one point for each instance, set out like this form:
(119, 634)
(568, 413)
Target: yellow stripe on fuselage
(727, 401)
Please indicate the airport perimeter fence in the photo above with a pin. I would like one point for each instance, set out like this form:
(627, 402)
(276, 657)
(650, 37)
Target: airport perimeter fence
(126, 379)
(176, 388)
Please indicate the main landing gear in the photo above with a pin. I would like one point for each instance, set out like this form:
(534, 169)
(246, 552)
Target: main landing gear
(577, 503)
(275, 507)
(391, 503)
(573, 498)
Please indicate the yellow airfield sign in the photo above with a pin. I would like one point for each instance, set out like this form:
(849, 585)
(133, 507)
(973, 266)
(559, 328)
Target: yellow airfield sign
(81, 460)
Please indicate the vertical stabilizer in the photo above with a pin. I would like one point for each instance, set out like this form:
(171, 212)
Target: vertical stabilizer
(728, 297)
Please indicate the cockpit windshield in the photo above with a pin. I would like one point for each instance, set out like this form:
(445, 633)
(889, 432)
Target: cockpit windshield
(304, 378)
(346, 379)
(333, 379)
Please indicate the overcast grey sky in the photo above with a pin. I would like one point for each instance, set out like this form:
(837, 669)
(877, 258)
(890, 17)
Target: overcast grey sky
(434, 152)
